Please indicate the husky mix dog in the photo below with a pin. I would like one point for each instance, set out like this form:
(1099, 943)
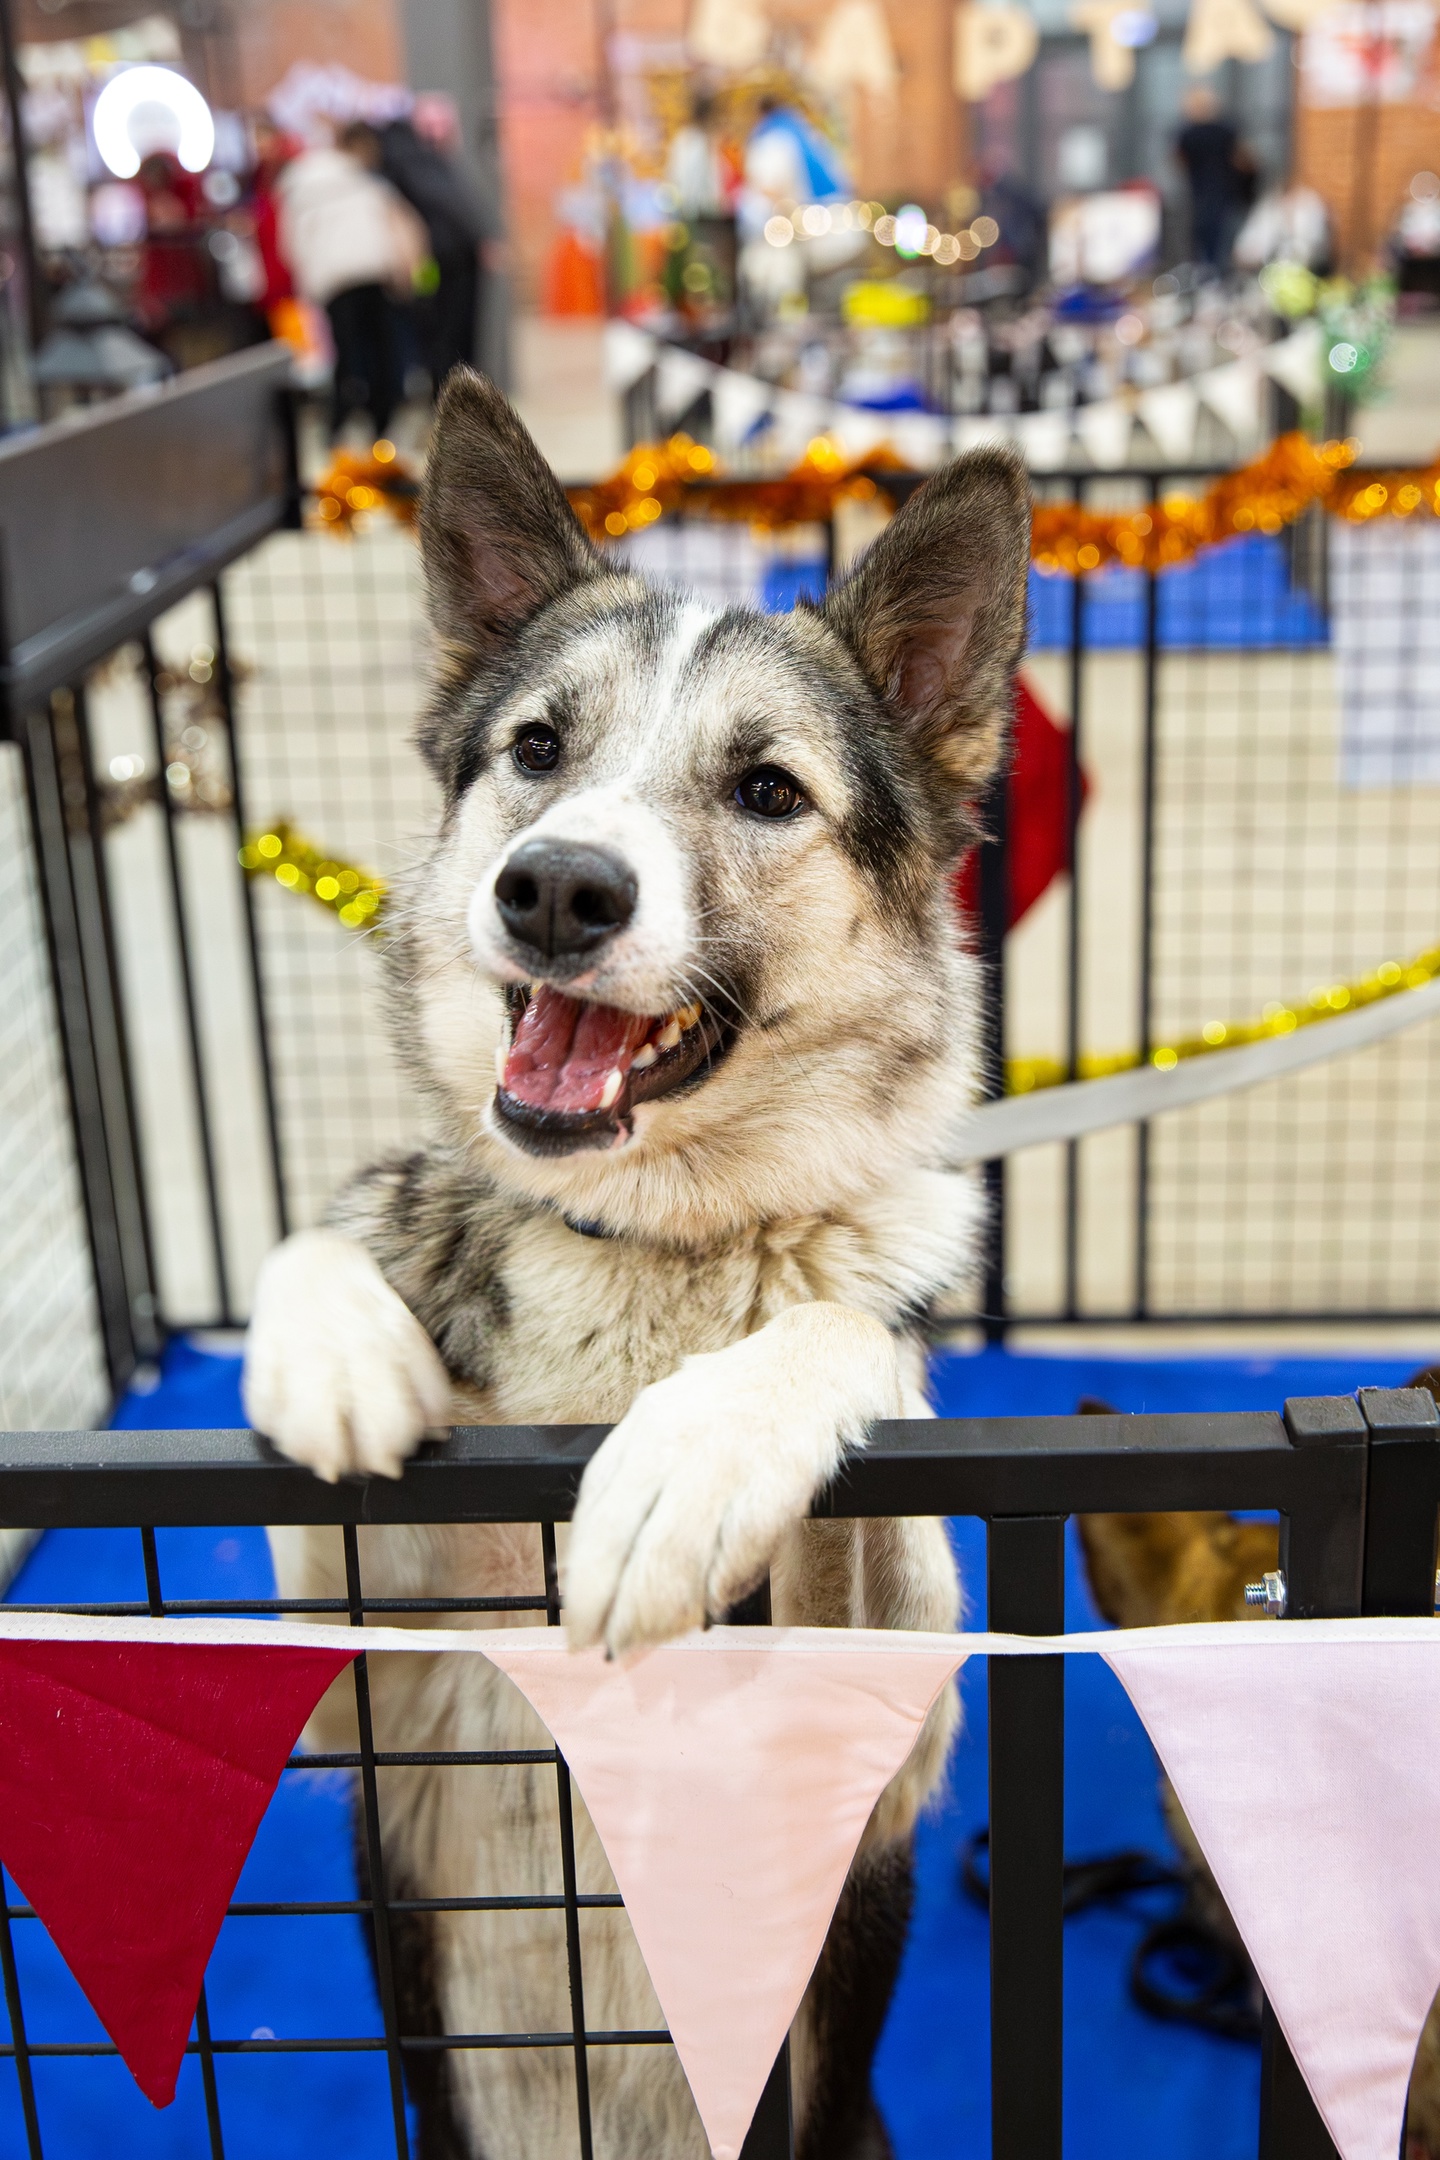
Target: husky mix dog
(682, 985)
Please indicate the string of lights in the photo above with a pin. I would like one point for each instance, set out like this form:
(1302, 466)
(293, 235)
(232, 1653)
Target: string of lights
(908, 230)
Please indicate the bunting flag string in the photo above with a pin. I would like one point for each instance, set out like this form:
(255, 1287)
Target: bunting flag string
(136, 1757)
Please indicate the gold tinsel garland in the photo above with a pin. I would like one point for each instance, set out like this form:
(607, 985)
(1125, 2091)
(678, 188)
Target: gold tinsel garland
(300, 867)
(358, 898)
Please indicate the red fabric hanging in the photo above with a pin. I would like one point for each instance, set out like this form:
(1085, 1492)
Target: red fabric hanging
(132, 1781)
(1038, 809)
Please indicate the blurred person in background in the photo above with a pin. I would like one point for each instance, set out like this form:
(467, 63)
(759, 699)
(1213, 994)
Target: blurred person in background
(354, 246)
(419, 157)
(1288, 224)
(1220, 173)
(1414, 245)
(177, 291)
(274, 150)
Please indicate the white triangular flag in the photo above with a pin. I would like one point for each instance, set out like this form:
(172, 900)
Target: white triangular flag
(1105, 430)
(976, 429)
(858, 433)
(737, 402)
(680, 378)
(627, 352)
(1045, 439)
(921, 439)
(1308, 1772)
(1169, 413)
(1295, 362)
(730, 1782)
(1232, 393)
(798, 420)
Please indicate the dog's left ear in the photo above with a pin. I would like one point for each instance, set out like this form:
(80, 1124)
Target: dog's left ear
(935, 611)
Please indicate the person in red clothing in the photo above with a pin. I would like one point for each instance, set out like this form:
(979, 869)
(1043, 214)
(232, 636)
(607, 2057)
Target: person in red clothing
(177, 285)
(273, 151)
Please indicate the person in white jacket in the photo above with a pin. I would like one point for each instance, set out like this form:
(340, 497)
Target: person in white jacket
(353, 245)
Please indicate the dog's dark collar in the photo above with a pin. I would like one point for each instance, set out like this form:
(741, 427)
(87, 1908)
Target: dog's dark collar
(583, 1228)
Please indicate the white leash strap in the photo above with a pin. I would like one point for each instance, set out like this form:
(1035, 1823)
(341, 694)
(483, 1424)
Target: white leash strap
(1088, 1106)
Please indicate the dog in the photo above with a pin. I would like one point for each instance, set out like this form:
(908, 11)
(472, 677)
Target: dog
(681, 985)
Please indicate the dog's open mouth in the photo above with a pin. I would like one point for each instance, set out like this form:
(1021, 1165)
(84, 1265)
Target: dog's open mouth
(574, 1072)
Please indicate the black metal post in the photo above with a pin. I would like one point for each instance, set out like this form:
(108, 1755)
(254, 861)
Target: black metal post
(1400, 1501)
(994, 882)
(105, 993)
(374, 1853)
(1147, 929)
(225, 691)
(187, 992)
(155, 1600)
(24, 2075)
(24, 205)
(1322, 1553)
(569, 1878)
(67, 964)
(771, 2135)
(1073, 928)
(1025, 1570)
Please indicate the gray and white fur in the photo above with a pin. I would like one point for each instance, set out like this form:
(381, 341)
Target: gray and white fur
(724, 1256)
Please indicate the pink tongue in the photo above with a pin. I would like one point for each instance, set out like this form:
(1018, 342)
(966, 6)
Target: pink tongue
(564, 1052)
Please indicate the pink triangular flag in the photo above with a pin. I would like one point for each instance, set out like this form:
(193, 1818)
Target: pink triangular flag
(730, 1778)
(1310, 1773)
(133, 1776)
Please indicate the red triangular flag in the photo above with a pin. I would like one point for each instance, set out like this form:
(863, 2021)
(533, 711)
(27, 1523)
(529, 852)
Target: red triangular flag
(133, 1777)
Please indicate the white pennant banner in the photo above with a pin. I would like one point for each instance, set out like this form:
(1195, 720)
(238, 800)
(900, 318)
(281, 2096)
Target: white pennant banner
(1169, 413)
(730, 1777)
(1233, 395)
(627, 353)
(680, 378)
(1105, 431)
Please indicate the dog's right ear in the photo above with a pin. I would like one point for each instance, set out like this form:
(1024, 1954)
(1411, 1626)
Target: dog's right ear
(498, 538)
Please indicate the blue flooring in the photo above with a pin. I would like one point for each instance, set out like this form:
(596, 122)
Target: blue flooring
(1235, 597)
(1131, 2085)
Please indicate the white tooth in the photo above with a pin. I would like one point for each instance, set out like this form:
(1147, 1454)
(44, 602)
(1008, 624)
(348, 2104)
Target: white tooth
(645, 1055)
(500, 1056)
(669, 1035)
(614, 1081)
(687, 1016)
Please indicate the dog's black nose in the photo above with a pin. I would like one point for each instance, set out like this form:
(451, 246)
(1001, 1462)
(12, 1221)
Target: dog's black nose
(559, 896)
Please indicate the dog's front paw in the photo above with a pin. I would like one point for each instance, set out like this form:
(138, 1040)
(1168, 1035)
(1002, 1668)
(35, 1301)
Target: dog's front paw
(338, 1371)
(681, 1511)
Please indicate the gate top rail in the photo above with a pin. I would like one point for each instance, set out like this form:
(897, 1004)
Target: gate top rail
(108, 519)
(1311, 1462)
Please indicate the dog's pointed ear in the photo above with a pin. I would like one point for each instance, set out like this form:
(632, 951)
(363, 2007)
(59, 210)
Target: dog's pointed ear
(498, 538)
(935, 611)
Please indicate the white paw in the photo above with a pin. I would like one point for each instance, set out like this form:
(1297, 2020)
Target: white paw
(681, 1511)
(339, 1373)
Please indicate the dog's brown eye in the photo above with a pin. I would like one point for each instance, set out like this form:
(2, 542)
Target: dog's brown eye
(770, 793)
(538, 749)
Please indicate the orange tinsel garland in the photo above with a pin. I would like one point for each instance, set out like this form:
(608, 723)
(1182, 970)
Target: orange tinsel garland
(1273, 491)
(354, 484)
(660, 478)
(678, 474)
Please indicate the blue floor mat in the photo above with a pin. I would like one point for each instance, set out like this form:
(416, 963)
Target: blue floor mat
(1235, 597)
(1131, 2084)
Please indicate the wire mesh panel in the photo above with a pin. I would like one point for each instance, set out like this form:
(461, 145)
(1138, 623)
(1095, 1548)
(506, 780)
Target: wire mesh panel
(1294, 845)
(330, 656)
(52, 1365)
